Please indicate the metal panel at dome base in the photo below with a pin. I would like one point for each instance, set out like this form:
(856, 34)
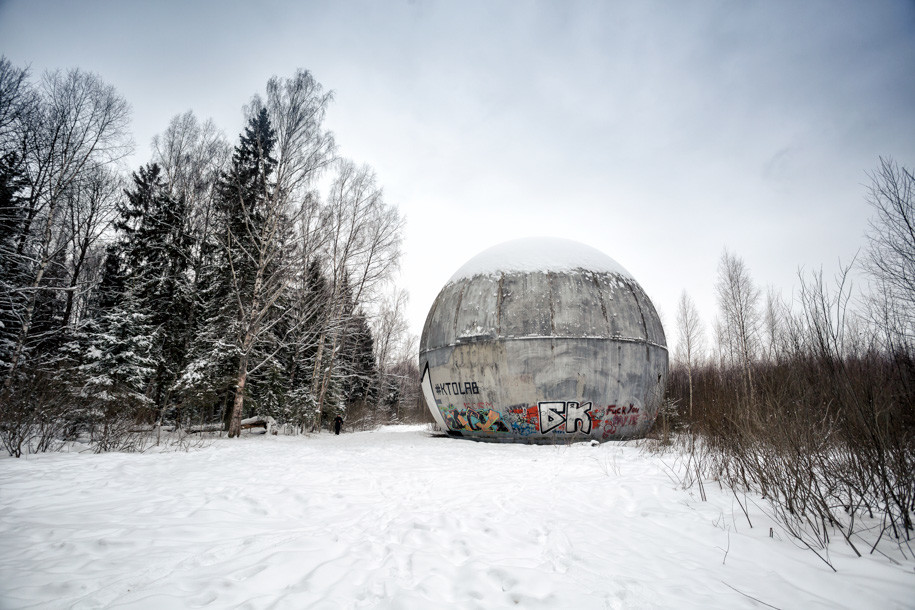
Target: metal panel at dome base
(544, 356)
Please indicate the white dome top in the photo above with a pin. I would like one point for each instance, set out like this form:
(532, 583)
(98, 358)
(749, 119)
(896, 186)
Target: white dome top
(543, 254)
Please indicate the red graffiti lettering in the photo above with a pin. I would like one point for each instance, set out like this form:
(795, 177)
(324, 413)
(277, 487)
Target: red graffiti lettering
(624, 410)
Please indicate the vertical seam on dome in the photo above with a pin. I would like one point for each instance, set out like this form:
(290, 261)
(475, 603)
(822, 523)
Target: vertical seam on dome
(427, 326)
(603, 305)
(641, 315)
(499, 297)
(457, 310)
(549, 281)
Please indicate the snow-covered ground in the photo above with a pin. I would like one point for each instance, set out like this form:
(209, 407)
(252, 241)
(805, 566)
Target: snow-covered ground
(399, 519)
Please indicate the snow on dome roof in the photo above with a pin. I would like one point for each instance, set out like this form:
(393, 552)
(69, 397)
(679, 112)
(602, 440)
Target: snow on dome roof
(530, 254)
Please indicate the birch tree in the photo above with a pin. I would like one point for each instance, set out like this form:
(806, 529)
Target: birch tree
(363, 249)
(891, 250)
(390, 331)
(690, 345)
(16, 97)
(77, 122)
(267, 193)
(738, 303)
(90, 210)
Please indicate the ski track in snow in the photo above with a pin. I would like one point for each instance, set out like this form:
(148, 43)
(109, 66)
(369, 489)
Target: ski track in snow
(399, 519)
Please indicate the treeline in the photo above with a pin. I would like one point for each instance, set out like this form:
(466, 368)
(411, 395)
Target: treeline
(211, 284)
(811, 403)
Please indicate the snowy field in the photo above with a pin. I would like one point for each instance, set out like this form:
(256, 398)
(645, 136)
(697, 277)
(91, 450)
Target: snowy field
(400, 519)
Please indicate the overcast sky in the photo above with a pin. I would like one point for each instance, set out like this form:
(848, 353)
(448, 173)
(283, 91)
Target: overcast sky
(658, 132)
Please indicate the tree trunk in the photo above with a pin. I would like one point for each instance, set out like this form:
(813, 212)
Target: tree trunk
(46, 258)
(325, 380)
(71, 293)
(26, 325)
(689, 373)
(235, 421)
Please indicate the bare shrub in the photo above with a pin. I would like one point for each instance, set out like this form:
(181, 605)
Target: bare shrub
(33, 415)
(113, 428)
(830, 443)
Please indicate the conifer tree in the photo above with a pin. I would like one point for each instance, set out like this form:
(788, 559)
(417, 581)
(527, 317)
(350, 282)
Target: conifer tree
(158, 257)
(309, 303)
(358, 362)
(206, 382)
(13, 267)
(255, 239)
(144, 292)
(112, 285)
(119, 362)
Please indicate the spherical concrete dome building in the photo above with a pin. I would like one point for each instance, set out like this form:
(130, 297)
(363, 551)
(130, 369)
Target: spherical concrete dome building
(543, 340)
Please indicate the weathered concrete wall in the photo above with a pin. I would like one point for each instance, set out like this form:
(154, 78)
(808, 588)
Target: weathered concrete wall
(544, 357)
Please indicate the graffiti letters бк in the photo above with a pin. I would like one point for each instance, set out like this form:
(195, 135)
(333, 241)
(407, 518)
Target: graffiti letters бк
(573, 414)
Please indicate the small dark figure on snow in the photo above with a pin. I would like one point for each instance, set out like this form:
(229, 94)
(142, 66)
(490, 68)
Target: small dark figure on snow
(338, 423)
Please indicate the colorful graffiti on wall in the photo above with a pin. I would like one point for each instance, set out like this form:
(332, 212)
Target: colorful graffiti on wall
(544, 417)
(547, 417)
(523, 419)
(476, 418)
